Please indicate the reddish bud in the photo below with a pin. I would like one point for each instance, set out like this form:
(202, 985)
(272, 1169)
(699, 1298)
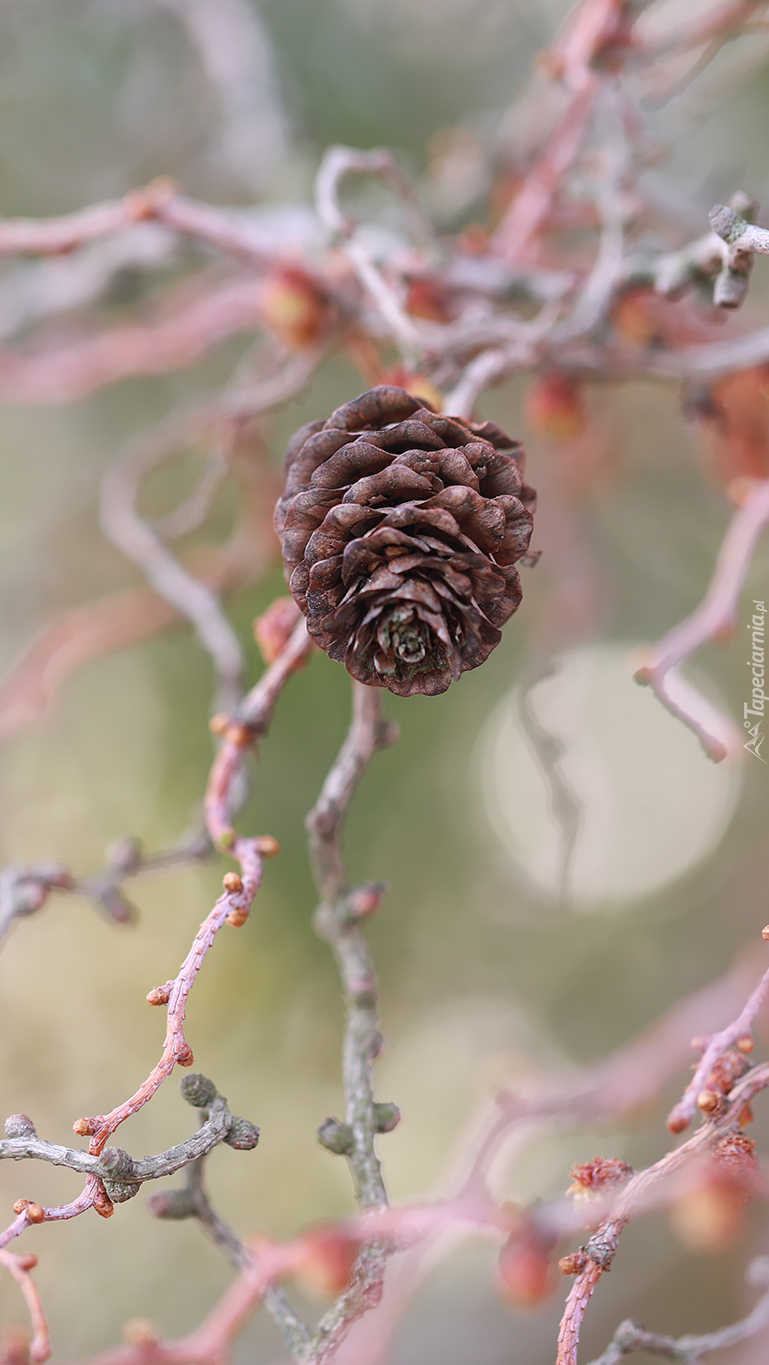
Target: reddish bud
(85, 1127)
(159, 995)
(329, 1257)
(555, 407)
(35, 1213)
(27, 1262)
(735, 1155)
(598, 1174)
(272, 630)
(139, 1332)
(677, 1122)
(237, 918)
(731, 1065)
(294, 306)
(428, 298)
(267, 846)
(745, 1044)
(185, 1056)
(707, 1217)
(574, 1263)
(365, 900)
(232, 883)
(240, 735)
(524, 1271)
(708, 1101)
(102, 1204)
(765, 933)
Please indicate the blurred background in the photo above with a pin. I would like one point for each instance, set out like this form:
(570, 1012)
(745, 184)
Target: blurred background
(491, 971)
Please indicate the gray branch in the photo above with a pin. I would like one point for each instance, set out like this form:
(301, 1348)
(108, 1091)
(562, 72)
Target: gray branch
(337, 921)
(630, 1336)
(122, 1174)
(191, 1201)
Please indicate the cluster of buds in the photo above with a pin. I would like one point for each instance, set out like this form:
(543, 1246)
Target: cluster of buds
(708, 1212)
(599, 1174)
(730, 1068)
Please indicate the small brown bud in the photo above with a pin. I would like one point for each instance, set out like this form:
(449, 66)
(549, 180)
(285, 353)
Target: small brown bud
(159, 995)
(232, 883)
(27, 1262)
(85, 1127)
(745, 1044)
(185, 1055)
(597, 1174)
(238, 734)
(218, 724)
(267, 846)
(20, 1205)
(677, 1123)
(139, 1332)
(574, 1263)
(103, 1205)
(35, 1213)
(237, 918)
(765, 933)
(708, 1101)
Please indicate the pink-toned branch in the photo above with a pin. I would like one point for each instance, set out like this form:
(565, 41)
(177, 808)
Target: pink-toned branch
(19, 1267)
(715, 617)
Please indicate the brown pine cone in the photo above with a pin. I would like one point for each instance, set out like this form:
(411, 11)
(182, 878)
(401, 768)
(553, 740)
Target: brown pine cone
(400, 529)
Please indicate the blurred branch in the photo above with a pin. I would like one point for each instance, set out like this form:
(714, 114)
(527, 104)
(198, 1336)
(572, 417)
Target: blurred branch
(235, 53)
(338, 163)
(123, 525)
(716, 616)
(19, 1267)
(687, 1350)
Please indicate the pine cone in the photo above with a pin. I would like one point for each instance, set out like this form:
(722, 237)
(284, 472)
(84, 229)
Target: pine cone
(400, 529)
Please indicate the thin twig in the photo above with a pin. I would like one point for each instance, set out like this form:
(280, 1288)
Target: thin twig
(716, 615)
(338, 163)
(630, 1336)
(337, 920)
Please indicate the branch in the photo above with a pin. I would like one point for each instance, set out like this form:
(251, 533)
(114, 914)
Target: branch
(597, 1255)
(337, 920)
(121, 1174)
(158, 201)
(19, 1267)
(123, 525)
(715, 616)
(687, 1350)
(192, 1201)
(338, 163)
